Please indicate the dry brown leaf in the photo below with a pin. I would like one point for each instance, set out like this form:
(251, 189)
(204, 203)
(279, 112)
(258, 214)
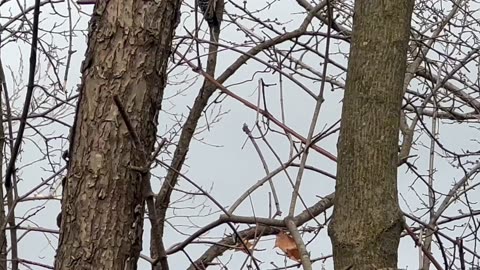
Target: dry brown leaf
(286, 243)
(294, 254)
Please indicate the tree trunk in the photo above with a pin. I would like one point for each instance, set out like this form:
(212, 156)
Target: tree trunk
(367, 222)
(3, 217)
(103, 201)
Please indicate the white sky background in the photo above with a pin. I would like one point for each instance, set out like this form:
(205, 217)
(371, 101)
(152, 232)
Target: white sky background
(231, 165)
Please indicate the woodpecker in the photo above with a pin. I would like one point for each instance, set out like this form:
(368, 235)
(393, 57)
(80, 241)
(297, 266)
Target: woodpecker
(212, 11)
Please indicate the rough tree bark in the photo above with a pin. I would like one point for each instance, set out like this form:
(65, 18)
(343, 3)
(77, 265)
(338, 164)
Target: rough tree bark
(103, 201)
(367, 222)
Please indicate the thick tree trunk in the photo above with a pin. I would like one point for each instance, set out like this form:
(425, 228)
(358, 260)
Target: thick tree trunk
(367, 222)
(128, 50)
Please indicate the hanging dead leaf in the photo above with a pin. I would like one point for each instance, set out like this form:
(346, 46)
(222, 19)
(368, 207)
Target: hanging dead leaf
(286, 243)
(241, 247)
(294, 254)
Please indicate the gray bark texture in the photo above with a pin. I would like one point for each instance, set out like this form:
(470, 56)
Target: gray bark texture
(367, 221)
